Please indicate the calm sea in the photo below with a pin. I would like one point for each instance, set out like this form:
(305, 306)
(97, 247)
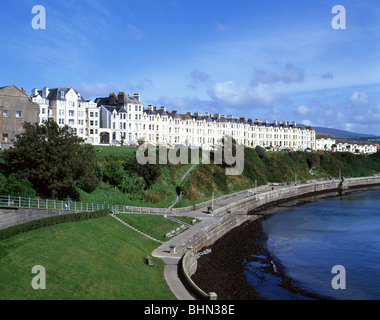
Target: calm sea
(310, 239)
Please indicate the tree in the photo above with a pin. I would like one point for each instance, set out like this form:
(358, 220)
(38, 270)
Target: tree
(54, 160)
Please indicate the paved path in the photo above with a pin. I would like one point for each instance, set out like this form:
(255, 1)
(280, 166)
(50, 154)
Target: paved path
(171, 261)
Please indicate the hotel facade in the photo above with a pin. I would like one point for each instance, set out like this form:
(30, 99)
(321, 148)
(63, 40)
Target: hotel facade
(124, 118)
(66, 106)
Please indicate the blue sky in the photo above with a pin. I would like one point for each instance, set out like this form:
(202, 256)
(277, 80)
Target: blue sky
(273, 60)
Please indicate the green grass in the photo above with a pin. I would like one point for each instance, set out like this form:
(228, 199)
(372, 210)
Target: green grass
(95, 259)
(153, 225)
(108, 150)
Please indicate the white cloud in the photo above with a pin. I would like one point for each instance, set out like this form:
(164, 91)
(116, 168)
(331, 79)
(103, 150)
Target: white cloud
(359, 98)
(307, 122)
(302, 110)
(238, 95)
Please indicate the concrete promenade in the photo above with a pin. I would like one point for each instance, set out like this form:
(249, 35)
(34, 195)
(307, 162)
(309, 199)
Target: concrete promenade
(172, 260)
(205, 230)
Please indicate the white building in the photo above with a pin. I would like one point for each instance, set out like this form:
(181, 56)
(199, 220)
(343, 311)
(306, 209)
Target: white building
(66, 106)
(125, 118)
(325, 142)
(364, 147)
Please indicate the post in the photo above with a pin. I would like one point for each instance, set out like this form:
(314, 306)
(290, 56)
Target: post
(255, 186)
(172, 249)
(212, 203)
(340, 174)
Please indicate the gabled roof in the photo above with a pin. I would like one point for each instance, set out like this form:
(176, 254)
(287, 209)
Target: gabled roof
(14, 87)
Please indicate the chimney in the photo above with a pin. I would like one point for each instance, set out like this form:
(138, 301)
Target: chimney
(45, 92)
(34, 92)
(229, 116)
(150, 107)
(217, 115)
(112, 98)
(174, 111)
(188, 113)
(137, 96)
(154, 108)
(163, 108)
(122, 99)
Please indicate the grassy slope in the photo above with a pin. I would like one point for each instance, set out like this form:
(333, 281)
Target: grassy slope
(279, 167)
(95, 259)
(154, 225)
(204, 179)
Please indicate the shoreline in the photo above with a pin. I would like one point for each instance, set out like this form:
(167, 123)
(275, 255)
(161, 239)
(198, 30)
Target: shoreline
(223, 270)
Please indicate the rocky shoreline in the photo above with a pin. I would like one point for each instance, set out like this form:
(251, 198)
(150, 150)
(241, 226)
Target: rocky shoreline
(222, 270)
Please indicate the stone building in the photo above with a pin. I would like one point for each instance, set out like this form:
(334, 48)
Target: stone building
(16, 108)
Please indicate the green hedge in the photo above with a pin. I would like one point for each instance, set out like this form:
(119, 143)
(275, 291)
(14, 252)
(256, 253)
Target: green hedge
(37, 224)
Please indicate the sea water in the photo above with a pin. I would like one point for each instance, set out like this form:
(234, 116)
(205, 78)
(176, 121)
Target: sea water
(310, 239)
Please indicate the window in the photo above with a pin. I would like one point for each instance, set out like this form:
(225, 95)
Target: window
(71, 113)
(5, 137)
(18, 114)
(91, 114)
(61, 121)
(71, 122)
(61, 112)
(5, 113)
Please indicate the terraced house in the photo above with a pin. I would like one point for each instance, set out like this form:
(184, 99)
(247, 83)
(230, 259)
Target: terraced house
(66, 106)
(124, 118)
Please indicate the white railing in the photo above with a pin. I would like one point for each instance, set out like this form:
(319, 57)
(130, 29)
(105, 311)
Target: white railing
(22, 202)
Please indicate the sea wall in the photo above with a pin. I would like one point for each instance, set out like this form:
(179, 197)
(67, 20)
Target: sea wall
(236, 213)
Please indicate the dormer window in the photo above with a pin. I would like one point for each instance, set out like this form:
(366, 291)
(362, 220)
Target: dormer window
(62, 94)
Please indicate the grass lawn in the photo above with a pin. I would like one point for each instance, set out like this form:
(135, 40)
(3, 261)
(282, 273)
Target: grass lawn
(108, 150)
(154, 225)
(96, 259)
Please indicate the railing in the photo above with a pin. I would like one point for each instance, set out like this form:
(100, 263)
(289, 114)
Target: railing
(21, 202)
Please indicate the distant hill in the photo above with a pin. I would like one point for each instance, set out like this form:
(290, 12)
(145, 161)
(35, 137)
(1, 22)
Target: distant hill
(341, 134)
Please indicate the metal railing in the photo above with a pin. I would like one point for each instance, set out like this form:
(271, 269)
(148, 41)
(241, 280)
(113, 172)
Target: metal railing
(22, 202)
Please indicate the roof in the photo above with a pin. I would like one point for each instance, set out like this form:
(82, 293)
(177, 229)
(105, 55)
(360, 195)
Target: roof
(106, 100)
(324, 136)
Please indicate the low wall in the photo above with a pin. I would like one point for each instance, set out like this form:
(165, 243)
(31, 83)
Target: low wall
(10, 217)
(189, 266)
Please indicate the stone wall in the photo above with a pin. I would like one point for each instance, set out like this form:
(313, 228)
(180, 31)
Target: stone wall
(236, 213)
(10, 217)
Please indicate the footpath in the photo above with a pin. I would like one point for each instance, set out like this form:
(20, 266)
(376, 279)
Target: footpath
(172, 260)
